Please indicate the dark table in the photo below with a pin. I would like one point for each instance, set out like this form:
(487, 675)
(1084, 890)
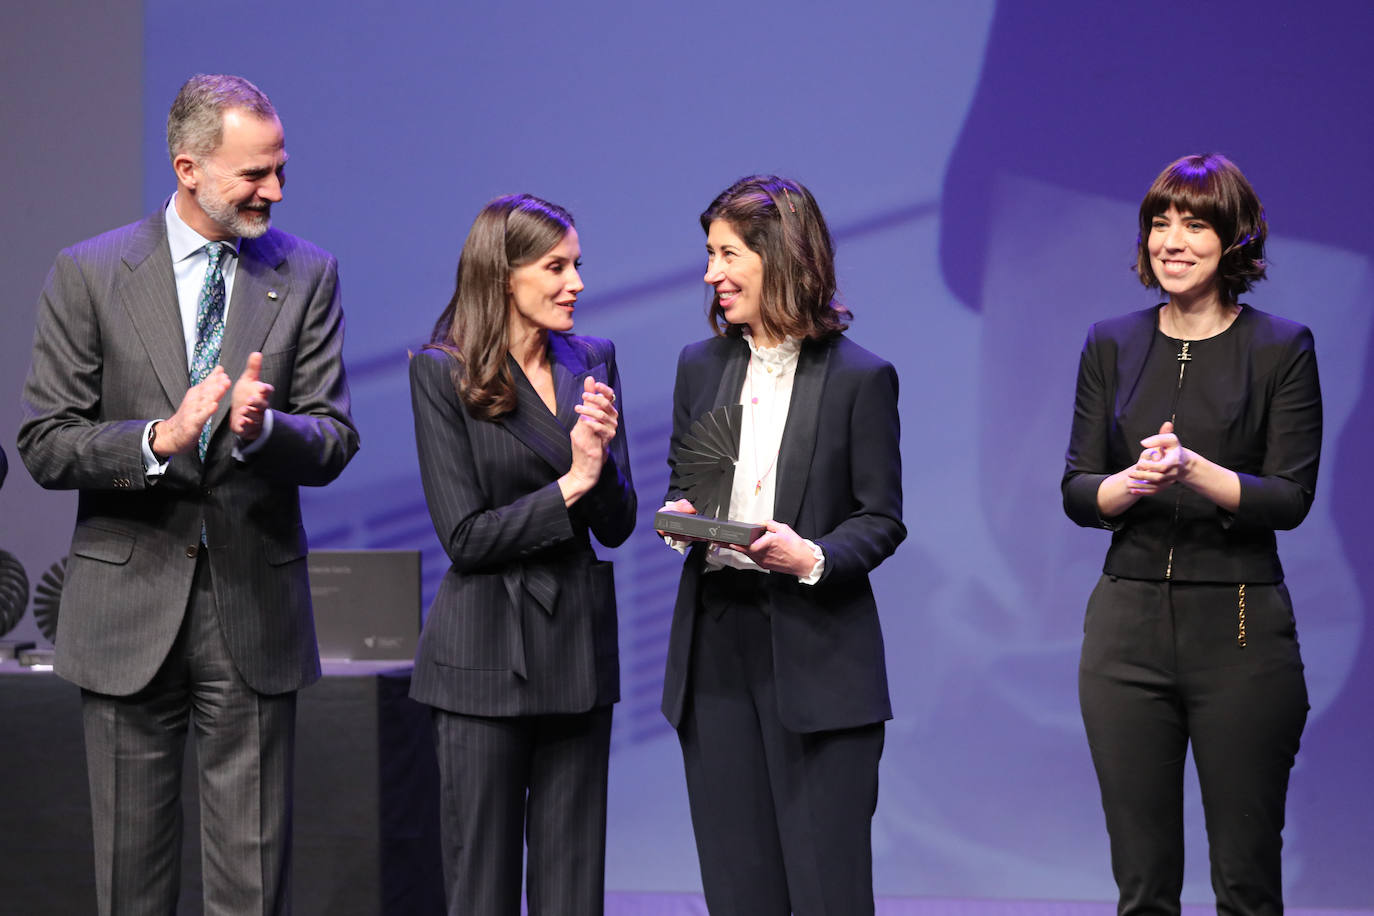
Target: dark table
(366, 800)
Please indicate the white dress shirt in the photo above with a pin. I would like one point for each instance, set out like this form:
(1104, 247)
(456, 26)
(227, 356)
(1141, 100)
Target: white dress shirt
(765, 397)
(189, 260)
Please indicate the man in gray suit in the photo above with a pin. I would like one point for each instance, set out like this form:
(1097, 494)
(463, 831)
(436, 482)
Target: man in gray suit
(186, 598)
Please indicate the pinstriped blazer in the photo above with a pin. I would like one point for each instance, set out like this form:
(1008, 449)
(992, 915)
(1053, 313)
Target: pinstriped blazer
(524, 621)
(109, 355)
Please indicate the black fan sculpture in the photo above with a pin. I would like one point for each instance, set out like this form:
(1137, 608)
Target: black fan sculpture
(47, 595)
(704, 466)
(14, 591)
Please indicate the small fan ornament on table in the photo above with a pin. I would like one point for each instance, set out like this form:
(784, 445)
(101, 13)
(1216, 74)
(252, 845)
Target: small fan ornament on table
(704, 471)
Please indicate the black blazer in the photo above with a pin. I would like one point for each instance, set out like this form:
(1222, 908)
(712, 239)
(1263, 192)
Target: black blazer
(1269, 433)
(524, 621)
(839, 484)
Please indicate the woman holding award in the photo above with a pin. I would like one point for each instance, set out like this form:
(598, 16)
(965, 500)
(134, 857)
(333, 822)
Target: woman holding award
(523, 458)
(775, 677)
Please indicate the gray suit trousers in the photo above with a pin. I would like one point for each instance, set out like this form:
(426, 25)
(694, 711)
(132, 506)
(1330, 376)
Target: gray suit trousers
(245, 744)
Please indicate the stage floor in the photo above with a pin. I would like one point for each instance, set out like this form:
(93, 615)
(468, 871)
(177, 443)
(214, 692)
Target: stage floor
(627, 904)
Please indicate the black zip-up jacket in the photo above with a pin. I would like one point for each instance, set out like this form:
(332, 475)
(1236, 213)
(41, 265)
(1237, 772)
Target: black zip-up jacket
(1249, 400)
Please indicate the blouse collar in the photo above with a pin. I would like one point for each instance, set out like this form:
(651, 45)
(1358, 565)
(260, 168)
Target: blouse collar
(781, 356)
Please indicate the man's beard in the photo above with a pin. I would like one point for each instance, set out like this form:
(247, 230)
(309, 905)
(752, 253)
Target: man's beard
(244, 222)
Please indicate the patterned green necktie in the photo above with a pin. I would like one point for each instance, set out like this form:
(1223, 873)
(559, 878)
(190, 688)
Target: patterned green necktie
(209, 327)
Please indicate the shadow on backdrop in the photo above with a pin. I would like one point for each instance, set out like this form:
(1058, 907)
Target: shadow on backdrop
(1081, 102)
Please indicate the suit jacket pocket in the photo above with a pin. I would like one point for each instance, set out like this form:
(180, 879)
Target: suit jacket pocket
(285, 547)
(473, 624)
(277, 368)
(102, 544)
(601, 577)
(605, 632)
(277, 359)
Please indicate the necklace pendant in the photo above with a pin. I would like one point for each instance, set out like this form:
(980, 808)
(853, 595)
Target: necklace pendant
(1183, 355)
(758, 487)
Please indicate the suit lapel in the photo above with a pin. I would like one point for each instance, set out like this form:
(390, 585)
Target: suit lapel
(260, 287)
(150, 298)
(799, 435)
(532, 423)
(568, 367)
(732, 373)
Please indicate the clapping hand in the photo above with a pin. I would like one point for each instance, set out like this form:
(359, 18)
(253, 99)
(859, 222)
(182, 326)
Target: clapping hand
(591, 436)
(180, 432)
(250, 401)
(597, 409)
(1162, 463)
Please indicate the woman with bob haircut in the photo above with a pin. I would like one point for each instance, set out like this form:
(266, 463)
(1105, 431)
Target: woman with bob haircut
(776, 681)
(1197, 429)
(522, 457)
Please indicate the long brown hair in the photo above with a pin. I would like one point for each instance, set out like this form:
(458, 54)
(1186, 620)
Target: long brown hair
(780, 221)
(509, 232)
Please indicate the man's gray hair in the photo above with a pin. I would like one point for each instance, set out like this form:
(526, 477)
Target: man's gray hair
(195, 125)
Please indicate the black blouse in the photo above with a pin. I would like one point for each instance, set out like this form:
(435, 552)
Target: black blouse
(1247, 399)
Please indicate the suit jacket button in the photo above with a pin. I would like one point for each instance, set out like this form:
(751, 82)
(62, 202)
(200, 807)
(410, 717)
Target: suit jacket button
(207, 492)
(192, 550)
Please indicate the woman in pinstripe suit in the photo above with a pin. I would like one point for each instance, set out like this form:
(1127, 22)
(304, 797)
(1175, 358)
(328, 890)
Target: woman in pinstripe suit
(523, 458)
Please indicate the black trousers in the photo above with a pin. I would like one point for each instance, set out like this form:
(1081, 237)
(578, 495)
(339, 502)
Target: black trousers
(782, 819)
(1163, 666)
(511, 780)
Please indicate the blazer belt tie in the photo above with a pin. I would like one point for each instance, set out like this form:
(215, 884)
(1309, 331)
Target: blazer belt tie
(538, 582)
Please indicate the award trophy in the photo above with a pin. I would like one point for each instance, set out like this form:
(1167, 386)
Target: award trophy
(14, 591)
(704, 470)
(14, 598)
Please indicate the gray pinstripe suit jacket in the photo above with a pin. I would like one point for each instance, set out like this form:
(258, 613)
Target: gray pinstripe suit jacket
(109, 355)
(524, 622)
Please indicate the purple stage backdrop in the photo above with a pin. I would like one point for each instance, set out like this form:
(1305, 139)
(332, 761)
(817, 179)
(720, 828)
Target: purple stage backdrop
(980, 165)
